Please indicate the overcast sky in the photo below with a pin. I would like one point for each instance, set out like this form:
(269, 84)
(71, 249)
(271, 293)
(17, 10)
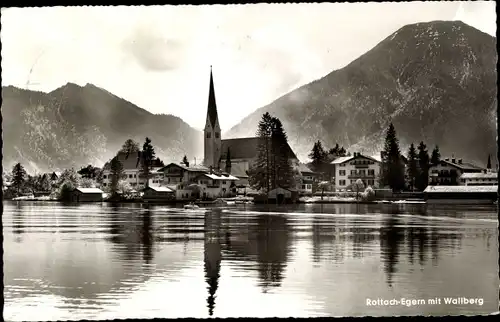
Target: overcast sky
(159, 57)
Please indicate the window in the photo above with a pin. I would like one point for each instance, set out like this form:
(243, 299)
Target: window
(352, 181)
(209, 135)
(341, 172)
(135, 175)
(362, 172)
(308, 186)
(304, 186)
(223, 182)
(104, 184)
(342, 164)
(371, 172)
(342, 182)
(353, 172)
(130, 176)
(104, 176)
(217, 135)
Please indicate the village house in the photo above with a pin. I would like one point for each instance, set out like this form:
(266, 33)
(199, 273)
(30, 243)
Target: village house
(158, 194)
(306, 179)
(86, 195)
(179, 178)
(485, 178)
(131, 171)
(281, 195)
(243, 151)
(449, 171)
(351, 168)
(214, 186)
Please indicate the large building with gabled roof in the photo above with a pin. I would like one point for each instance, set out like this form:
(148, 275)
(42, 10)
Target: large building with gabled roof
(243, 151)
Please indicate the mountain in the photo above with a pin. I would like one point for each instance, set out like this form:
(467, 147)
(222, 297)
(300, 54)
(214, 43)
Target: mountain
(435, 81)
(73, 126)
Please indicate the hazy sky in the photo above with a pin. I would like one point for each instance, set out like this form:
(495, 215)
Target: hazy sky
(158, 57)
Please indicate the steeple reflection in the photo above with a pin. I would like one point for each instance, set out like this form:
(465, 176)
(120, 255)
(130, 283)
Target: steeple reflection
(212, 255)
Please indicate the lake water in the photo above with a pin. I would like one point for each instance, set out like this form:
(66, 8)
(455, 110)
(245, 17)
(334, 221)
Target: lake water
(103, 261)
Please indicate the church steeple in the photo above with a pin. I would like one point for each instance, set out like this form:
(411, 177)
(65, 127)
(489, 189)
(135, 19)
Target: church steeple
(213, 142)
(212, 105)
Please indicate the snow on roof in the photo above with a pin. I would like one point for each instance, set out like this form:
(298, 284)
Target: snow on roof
(345, 159)
(160, 189)
(461, 189)
(304, 168)
(342, 160)
(89, 190)
(191, 168)
(220, 177)
(489, 175)
(172, 187)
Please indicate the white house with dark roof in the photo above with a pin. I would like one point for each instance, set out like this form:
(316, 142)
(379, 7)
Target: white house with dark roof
(449, 171)
(243, 151)
(216, 185)
(358, 166)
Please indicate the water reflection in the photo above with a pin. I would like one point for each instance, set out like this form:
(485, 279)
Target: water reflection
(273, 242)
(133, 235)
(18, 221)
(391, 236)
(95, 254)
(212, 256)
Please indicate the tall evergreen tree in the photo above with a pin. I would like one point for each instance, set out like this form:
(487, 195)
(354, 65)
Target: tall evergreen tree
(435, 156)
(260, 172)
(488, 166)
(392, 168)
(145, 158)
(116, 175)
(282, 168)
(423, 165)
(318, 155)
(412, 170)
(19, 177)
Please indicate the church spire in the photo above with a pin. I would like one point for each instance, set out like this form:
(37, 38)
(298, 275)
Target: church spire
(212, 106)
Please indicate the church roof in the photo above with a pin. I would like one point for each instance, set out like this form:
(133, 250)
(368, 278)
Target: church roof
(212, 105)
(245, 148)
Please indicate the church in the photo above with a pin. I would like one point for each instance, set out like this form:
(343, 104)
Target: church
(243, 151)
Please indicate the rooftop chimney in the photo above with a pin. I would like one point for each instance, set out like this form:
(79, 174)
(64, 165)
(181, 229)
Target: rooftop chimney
(447, 159)
(459, 161)
(453, 160)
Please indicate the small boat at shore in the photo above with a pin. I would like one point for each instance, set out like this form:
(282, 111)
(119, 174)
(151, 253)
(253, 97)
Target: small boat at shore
(191, 206)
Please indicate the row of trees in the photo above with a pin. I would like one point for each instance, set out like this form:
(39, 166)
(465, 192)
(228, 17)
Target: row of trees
(273, 167)
(392, 171)
(87, 177)
(322, 157)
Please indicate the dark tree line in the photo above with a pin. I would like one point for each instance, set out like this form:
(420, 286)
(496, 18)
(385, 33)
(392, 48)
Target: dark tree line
(321, 157)
(418, 162)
